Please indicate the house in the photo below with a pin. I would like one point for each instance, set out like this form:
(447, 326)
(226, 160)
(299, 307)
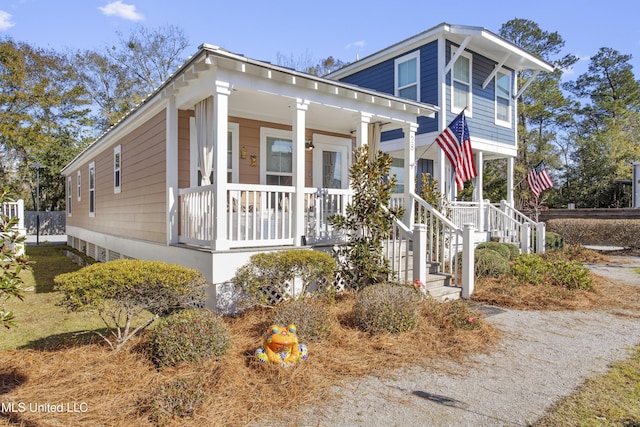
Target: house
(232, 156)
(455, 68)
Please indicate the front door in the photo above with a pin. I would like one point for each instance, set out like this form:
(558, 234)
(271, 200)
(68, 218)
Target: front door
(330, 165)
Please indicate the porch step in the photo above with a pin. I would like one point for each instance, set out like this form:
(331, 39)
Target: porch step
(438, 286)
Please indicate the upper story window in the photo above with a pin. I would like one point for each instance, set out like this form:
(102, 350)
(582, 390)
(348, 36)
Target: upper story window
(407, 76)
(69, 194)
(79, 184)
(117, 169)
(276, 157)
(92, 189)
(461, 83)
(503, 98)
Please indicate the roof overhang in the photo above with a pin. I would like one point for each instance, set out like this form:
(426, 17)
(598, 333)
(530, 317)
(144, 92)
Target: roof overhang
(258, 85)
(477, 39)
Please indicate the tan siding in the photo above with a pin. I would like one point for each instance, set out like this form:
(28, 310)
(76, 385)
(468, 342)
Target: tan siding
(250, 139)
(139, 210)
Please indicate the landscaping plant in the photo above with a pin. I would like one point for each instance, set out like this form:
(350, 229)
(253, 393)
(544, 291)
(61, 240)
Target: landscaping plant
(368, 221)
(386, 308)
(10, 262)
(310, 315)
(188, 336)
(267, 278)
(129, 295)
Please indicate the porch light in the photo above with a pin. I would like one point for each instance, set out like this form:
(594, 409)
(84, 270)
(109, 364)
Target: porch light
(308, 144)
(243, 153)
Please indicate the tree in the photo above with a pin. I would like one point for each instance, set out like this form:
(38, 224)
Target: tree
(41, 103)
(122, 291)
(11, 263)
(368, 221)
(307, 64)
(543, 110)
(606, 138)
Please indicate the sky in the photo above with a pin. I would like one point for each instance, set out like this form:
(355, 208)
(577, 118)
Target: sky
(344, 29)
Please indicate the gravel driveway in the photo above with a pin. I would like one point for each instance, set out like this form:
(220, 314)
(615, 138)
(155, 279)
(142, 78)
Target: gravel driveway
(541, 357)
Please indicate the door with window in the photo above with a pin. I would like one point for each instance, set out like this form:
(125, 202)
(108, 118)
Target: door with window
(330, 166)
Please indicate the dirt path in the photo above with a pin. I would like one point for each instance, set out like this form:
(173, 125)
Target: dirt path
(542, 357)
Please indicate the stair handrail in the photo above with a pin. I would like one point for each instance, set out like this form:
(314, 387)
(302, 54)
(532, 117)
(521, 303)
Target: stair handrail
(519, 216)
(435, 212)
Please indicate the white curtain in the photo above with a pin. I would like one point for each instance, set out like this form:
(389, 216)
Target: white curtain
(204, 137)
(374, 140)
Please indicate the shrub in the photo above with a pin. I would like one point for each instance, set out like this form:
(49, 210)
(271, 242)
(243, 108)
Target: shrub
(188, 336)
(386, 307)
(531, 268)
(267, 277)
(553, 241)
(310, 315)
(122, 291)
(181, 398)
(606, 232)
(11, 262)
(459, 314)
(500, 248)
(490, 263)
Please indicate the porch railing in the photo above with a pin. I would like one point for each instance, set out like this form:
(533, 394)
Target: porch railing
(16, 210)
(320, 204)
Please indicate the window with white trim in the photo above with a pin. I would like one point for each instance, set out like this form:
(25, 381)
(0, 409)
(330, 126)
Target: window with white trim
(117, 169)
(276, 157)
(69, 194)
(407, 76)
(79, 185)
(503, 98)
(461, 83)
(92, 189)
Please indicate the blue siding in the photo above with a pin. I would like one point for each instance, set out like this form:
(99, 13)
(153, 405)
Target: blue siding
(482, 123)
(380, 77)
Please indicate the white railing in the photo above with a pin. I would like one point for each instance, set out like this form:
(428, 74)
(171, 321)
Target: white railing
(320, 204)
(503, 226)
(16, 210)
(257, 215)
(398, 249)
(444, 239)
(462, 213)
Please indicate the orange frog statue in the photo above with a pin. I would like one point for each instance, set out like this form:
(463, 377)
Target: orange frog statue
(281, 346)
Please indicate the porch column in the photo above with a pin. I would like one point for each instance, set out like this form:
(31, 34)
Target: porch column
(299, 117)
(409, 170)
(362, 129)
(478, 195)
(171, 148)
(510, 163)
(221, 94)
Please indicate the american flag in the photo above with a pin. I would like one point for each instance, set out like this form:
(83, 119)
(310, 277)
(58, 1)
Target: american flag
(456, 144)
(539, 179)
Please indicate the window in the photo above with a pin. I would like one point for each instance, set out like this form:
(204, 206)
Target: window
(407, 72)
(276, 149)
(503, 98)
(69, 194)
(461, 84)
(92, 189)
(117, 174)
(79, 185)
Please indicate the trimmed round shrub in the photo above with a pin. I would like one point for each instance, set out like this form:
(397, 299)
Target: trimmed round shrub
(490, 263)
(386, 308)
(514, 250)
(310, 315)
(500, 248)
(188, 336)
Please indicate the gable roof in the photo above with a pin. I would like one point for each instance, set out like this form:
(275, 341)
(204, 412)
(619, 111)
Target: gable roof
(478, 39)
(188, 83)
